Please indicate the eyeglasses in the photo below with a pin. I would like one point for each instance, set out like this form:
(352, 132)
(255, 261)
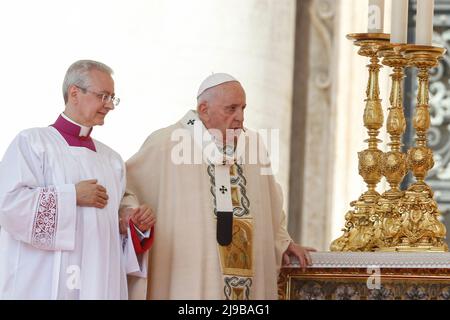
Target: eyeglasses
(106, 98)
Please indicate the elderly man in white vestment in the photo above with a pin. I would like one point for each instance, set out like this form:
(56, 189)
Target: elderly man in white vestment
(60, 192)
(221, 227)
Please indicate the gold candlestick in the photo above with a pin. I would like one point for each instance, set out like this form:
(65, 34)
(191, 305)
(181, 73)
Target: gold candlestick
(420, 228)
(394, 162)
(387, 222)
(359, 229)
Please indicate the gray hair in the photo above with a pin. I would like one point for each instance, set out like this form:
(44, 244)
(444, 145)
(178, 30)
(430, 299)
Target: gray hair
(205, 97)
(78, 74)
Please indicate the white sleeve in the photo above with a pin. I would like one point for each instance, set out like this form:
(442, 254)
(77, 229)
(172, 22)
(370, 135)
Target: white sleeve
(135, 265)
(282, 237)
(31, 211)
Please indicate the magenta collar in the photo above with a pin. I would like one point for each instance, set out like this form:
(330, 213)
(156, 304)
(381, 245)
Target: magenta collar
(71, 133)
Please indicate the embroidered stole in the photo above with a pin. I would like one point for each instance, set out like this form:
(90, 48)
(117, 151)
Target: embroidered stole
(228, 187)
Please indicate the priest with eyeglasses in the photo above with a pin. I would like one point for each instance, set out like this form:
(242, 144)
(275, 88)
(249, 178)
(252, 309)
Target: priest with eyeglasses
(60, 192)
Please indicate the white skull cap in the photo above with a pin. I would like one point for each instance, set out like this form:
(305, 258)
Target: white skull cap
(214, 80)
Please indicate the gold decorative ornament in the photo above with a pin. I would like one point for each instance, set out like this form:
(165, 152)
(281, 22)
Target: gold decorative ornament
(359, 230)
(397, 220)
(420, 228)
(394, 166)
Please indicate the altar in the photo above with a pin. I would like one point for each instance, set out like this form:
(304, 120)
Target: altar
(368, 276)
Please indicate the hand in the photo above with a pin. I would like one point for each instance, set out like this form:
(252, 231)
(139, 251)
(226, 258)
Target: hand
(302, 254)
(91, 194)
(143, 218)
(124, 219)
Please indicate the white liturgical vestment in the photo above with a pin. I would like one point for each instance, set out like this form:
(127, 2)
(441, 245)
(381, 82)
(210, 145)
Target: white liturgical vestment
(50, 248)
(184, 262)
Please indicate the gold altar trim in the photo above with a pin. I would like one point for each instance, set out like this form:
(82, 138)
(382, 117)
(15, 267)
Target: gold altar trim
(351, 283)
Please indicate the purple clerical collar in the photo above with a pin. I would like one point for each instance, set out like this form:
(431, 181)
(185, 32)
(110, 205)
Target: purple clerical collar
(71, 133)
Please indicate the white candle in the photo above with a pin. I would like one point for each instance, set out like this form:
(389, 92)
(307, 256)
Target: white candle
(376, 16)
(424, 22)
(399, 21)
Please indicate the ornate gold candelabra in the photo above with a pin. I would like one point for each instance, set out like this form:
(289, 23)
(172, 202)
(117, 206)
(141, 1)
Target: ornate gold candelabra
(393, 167)
(359, 226)
(419, 225)
(397, 220)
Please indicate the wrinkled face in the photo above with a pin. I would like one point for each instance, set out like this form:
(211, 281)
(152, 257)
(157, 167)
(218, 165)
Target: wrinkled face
(225, 109)
(87, 105)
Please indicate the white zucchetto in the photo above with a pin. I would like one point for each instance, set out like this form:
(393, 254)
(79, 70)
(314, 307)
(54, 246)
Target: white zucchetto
(214, 80)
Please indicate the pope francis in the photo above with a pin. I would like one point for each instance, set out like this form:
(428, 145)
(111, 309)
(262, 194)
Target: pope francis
(221, 231)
